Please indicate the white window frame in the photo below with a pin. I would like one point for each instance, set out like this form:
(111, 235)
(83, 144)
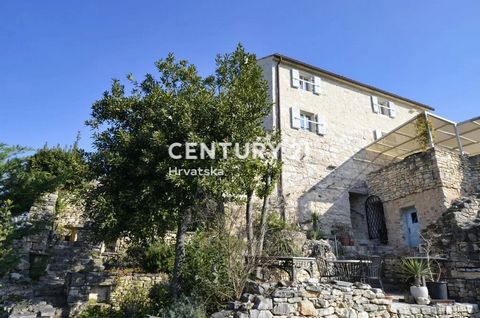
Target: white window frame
(306, 121)
(306, 81)
(384, 107)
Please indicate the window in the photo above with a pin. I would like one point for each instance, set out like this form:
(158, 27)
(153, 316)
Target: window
(306, 121)
(305, 81)
(383, 106)
(414, 217)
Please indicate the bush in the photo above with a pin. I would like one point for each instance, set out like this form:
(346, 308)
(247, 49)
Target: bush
(206, 269)
(185, 307)
(97, 312)
(277, 240)
(158, 258)
(132, 301)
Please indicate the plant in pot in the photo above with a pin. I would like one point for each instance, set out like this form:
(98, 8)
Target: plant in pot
(416, 271)
(344, 234)
(315, 233)
(437, 288)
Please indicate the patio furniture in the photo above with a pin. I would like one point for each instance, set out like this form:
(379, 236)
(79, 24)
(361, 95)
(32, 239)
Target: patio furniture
(350, 270)
(326, 269)
(291, 264)
(373, 269)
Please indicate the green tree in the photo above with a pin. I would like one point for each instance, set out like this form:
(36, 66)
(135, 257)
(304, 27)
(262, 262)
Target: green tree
(136, 196)
(25, 179)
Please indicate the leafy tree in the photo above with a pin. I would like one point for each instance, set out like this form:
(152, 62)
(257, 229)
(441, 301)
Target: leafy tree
(25, 179)
(136, 196)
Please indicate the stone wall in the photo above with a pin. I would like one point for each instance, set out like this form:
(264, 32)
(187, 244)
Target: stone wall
(456, 236)
(308, 299)
(428, 181)
(338, 299)
(104, 287)
(318, 180)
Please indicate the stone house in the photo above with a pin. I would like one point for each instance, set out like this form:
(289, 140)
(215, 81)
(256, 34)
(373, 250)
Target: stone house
(338, 133)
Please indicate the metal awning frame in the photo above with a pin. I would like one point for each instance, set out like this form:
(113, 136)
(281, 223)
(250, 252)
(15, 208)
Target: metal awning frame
(446, 131)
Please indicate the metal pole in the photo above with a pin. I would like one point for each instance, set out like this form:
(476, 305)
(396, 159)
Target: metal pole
(459, 142)
(430, 137)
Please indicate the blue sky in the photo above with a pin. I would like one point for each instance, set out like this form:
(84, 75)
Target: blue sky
(57, 57)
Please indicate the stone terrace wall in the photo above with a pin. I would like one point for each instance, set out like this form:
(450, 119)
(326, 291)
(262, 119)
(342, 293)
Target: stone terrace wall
(456, 235)
(474, 176)
(108, 286)
(309, 299)
(339, 299)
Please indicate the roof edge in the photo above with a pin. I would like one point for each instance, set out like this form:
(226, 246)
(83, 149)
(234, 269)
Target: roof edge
(287, 59)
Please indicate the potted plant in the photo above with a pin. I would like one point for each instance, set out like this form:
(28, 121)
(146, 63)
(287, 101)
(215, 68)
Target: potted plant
(315, 233)
(417, 270)
(437, 288)
(344, 234)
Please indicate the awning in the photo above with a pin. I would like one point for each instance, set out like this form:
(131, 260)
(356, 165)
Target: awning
(469, 131)
(403, 141)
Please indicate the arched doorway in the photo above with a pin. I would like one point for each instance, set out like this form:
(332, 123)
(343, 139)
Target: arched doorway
(377, 229)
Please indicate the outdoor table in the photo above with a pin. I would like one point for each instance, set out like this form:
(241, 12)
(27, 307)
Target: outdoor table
(291, 264)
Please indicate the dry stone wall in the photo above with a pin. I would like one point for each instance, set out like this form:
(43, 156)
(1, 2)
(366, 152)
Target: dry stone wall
(456, 236)
(333, 300)
(310, 299)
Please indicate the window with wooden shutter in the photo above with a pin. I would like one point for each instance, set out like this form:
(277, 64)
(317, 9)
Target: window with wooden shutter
(295, 117)
(317, 81)
(321, 125)
(295, 75)
(375, 106)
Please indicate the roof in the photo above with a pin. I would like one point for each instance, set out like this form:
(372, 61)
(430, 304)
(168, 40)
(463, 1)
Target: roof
(347, 80)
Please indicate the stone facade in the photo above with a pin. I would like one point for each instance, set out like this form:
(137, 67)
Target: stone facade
(428, 181)
(319, 180)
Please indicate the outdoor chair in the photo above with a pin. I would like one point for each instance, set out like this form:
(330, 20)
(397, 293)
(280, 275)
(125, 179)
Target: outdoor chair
(350, 271)
(373, 269)
(326, 269)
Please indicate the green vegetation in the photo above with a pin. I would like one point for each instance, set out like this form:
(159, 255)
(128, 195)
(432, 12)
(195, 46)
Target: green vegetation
(424, 130)
(24, 179)
(415, 269)
(136, 196)
(278, 241)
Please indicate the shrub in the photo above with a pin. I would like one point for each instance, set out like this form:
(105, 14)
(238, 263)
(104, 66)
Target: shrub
(206, 270)
(158, 258)
(277, 240)
(97, 312)
(132, 301)
(184, 307)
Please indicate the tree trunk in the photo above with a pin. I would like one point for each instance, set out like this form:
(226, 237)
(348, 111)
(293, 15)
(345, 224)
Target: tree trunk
(179, 253)
(263, 224)
(249, 224)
